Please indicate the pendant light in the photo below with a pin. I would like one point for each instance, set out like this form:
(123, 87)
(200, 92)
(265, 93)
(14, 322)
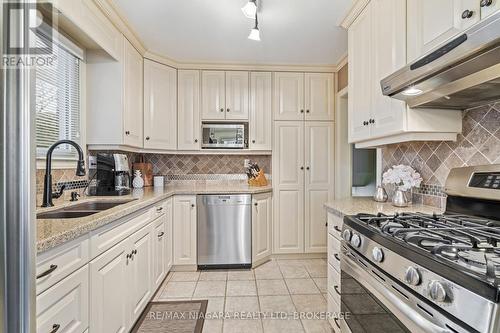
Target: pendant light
(250, 9)
(255, 33)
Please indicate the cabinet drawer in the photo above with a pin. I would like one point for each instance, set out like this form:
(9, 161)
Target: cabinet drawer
(334, 287)
(65, 305)
(102, 240)
(335, 225)
(334, 310)
(334, 252)
(54, 265)
(158, 210)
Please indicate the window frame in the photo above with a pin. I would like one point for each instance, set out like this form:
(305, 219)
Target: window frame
(61, 161)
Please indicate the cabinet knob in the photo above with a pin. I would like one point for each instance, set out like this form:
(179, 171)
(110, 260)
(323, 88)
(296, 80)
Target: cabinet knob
(301, 168)
(192, 205)
(372, 121)
(255, 204)
(55, 328)
(147, 138)
(467, 14)
(253, 141)
(486, 3)
(222, 110)
(307, 111)
(301, 111)
(195, 140)
(127, 132)
(307, 168)
(365, 123)
(134, 252)
(227, 110)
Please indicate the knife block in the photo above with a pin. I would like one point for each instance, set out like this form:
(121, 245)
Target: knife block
(260, 180)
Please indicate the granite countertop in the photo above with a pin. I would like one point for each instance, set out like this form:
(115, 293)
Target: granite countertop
(54, 232)
(353, 206)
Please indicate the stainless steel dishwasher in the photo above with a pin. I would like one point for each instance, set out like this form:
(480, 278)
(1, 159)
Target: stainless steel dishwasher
(224, 231)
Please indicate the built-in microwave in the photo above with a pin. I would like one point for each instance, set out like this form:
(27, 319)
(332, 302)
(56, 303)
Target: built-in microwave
(224, 136)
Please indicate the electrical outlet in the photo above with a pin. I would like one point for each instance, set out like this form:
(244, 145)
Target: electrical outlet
(246, 163)
(92, 162)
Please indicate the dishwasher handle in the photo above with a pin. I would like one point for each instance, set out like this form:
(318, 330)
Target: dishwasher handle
(226, 200)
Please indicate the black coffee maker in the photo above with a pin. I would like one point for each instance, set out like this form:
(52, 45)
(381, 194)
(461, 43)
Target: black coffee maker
(112, 175)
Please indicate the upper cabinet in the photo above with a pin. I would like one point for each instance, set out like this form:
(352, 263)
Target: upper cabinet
(299, 96)
(224, 95)
(260, 118)
(188, 110)
(432, 22)
(160, 106)
(115, 97)
(378, 47)
(488, 7)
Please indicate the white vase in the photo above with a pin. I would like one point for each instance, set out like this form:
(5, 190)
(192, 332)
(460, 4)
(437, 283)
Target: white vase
(399, 198)
(138, 182)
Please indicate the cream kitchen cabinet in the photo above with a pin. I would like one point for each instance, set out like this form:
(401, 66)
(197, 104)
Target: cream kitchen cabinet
(160, 106)
(260, 117)
(377, 48)
(224, 95)
(162, 245)
(488, 7)
(65, 306)
(432, 22)
(115, 98)
(184, 230)
(299, 96)
(262, 218)
(303, 182)
(188, 110)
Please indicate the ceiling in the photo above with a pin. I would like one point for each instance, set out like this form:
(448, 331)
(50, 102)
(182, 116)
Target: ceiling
(301, 32)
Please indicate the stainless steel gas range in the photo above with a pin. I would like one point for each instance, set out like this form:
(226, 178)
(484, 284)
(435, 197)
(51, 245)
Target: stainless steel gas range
(427, 273)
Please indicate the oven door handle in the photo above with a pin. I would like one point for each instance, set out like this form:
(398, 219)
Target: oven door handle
(403, 309)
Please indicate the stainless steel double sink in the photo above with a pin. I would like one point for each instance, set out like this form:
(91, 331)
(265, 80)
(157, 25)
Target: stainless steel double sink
(82, 209)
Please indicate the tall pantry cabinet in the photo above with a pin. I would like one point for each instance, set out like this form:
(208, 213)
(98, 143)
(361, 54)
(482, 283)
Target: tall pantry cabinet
(303, 161)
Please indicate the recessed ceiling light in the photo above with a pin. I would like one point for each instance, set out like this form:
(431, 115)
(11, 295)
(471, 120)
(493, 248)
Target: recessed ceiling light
(250, 9)
(412, 91)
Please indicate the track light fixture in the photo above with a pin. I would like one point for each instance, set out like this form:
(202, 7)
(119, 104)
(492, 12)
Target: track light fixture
(255, 33)
(250, 9)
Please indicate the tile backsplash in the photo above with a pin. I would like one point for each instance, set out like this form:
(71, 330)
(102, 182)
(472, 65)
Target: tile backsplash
(479, 143)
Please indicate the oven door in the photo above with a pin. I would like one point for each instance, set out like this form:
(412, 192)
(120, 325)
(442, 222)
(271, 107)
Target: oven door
(371, 301)
(225, 136)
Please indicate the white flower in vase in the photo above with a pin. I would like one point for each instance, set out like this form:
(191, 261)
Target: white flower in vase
(404, 178)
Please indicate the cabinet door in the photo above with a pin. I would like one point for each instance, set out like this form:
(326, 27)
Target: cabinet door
(109, 292)
(288, 177)
(319, 186)
(140, 269)
(432, 22)
(319, 101)
(169, 235)
(185, 230)
(65, 305)
(360, 80)
(132, 96)
(160, 106)
(189, 125)
(237, 95)
(470, 7)
(288, 96)
(159, 250)
(388, 55)
(487, 10)
(262, 217)
(213, 99)
(260, 122)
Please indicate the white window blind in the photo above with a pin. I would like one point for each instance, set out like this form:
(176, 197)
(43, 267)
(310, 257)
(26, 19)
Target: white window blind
(58, 102)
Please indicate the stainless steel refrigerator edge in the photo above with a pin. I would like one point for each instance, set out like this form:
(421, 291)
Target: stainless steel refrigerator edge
(224, 231)
(17, 194)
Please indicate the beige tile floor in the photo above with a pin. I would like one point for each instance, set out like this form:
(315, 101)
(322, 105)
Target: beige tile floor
(244, 300)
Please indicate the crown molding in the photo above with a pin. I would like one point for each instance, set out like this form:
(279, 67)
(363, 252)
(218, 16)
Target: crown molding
(351, 15)
(341, 63)
(116, 17)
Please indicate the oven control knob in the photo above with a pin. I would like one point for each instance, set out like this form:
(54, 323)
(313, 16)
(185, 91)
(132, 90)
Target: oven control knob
(347, 235)
(377, 254)
(437, 291)
(412, 276)
(356, 240)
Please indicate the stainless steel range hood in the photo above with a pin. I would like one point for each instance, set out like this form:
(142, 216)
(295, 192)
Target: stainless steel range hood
(463, 72)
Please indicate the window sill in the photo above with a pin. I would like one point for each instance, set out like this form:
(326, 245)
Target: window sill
(57, 163)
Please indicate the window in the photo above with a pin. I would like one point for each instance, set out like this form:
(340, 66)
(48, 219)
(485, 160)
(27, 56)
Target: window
(57, 91)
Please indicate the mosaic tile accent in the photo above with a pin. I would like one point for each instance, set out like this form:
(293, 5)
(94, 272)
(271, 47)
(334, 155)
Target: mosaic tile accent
(479, 143)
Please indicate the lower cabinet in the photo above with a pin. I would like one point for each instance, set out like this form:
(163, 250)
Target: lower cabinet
(65, 306)
(184, 225)
(162, 246)
(262, 217)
